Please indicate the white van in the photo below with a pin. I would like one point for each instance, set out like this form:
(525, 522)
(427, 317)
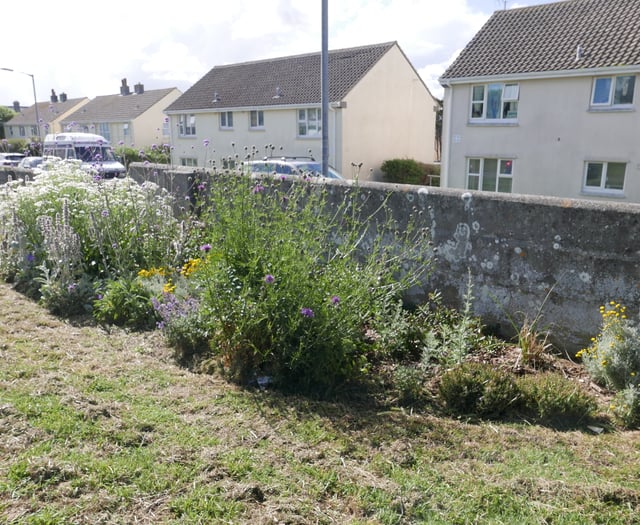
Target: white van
(94, 151)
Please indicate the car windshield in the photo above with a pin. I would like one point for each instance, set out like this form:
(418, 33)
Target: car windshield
(315, 168)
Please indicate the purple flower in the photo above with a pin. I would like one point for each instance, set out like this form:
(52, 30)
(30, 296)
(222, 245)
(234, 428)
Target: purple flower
(205, 142)
(335, 300)
(307, 312)
(258, 188)
(206, 248)
(201, 187)
(269, 278)
(105, 213)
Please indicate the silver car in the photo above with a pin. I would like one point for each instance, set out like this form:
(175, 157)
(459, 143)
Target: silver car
(290, 166)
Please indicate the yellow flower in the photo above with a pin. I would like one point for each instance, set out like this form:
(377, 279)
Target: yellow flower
(169, 287)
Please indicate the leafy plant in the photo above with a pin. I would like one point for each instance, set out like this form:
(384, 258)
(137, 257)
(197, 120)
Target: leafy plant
(290, 289)
(626, 407)
(551, 397)
(478, 389)
(613, 358)
(125, 302)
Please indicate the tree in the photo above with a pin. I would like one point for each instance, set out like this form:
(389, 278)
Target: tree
(6, 114)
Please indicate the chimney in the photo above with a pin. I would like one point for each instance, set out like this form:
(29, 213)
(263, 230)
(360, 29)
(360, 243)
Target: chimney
(124, 89)
(63, 97)
(54, 97)
(138, 88)
(16, 106)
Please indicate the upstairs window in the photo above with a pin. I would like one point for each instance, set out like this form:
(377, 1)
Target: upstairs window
(495, 101)
(490, 174)
(226, 120)
(309, 122)
(256, 120)
(613, 91)
(605, 177)
(187, 125)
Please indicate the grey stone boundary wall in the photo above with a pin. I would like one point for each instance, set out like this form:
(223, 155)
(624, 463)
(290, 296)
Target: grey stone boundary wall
(546, 261)
(542, 260)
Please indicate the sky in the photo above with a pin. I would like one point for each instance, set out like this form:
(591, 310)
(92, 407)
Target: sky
(86, 51)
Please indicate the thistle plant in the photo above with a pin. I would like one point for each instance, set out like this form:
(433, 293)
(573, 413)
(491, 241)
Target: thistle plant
(289, 284)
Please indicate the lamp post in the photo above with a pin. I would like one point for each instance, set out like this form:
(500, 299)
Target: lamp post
(35, 97)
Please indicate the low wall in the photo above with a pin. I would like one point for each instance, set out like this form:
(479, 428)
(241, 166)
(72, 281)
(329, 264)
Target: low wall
(528, 257)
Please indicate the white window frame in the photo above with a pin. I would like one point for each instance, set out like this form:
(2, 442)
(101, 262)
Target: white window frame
(309, 122)
(187, 125)
(604, 187)
(615, 84)
(188, 161)
(256, 119)
(509, 95)
(105, 130)
(503, 174)
(226, 120)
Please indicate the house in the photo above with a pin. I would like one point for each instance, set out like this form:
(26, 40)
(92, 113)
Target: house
(379, 108)
(24, 125)
(132, 119)
(544, 100)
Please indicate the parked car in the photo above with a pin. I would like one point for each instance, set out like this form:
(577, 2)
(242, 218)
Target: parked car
(30, 162)
(10, 159)
(290, 166)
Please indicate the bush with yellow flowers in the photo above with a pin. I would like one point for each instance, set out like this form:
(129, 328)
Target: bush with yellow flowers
(613, 361)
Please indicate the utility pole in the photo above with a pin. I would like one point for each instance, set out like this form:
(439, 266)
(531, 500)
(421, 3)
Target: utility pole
(324, 79)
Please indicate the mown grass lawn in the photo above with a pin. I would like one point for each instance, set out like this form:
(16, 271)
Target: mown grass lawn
(104, 427)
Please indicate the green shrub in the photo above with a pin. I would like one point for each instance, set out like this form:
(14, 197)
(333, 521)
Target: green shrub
(291, 290)
(550, 397)
(74, 223)
(409, 382)
(478, 389)
(404, 171)
(626, 407)
(613, 358)
(125, 302)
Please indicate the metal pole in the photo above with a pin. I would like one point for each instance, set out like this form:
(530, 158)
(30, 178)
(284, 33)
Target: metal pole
(35, 97)
(325, 89)
(35, 100)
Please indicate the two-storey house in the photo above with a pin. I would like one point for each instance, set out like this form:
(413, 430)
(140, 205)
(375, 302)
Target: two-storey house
(544, 100)
(131, 119)
(379, 108)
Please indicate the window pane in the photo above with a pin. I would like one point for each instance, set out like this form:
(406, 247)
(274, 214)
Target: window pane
(474, 166)
(476, 109)
(624, 90)
(510, 109)
(494, 100)
(506, 167)
(511, 92)
(594, 175)
(478, 94)
(489, 174)
(601, 91)
(615, 176)
(472, 182)
(504, 185)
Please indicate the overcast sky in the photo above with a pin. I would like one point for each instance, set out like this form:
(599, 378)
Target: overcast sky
(85, 50)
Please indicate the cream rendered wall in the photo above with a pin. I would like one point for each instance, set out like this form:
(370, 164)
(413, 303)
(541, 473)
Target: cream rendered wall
(280, 130)
(146, 129)
(555, 135)
(389, 114)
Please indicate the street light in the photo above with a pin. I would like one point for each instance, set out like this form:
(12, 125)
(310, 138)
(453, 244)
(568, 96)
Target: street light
(35, 98)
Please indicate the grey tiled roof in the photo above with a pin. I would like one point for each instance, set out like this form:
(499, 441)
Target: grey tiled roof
(118, 108)
(545, 38)
(251, 84)
(47, 112)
